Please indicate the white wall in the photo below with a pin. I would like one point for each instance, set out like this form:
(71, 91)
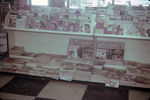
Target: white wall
(135, 50)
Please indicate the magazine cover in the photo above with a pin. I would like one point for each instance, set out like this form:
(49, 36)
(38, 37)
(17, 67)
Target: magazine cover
(122, 28)
(101, 27)
(88, 52)
(101, 54)
(82, 48)
(148, 16)
(117, 55)
(30, 22)
(11, 20)
(14, 9)
(138, 29)
(20, 23)
(115, 16)
(72, 26)
(110, 52)
(145, 72)
(126, 15)
(38, 24)
(147, 29)
(133, 71)
(113, 27)
(142, 80)
(24, 7)
(52, 23)
(75, 51)
(63, 22)
(85, 26)
(128, 29)
(127, 78)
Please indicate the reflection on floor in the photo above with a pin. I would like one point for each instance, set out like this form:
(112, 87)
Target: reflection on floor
(36, 88)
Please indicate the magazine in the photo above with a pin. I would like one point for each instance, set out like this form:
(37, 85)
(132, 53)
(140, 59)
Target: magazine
(72, 26)
(147, 29)
(30, 22)
(80, 48)
(148, 16)
(113, 27)
(126, 15)
(14, 9)
(128, 29)
(11, 20)
(138, 29)
(110, 52)
(51, 24)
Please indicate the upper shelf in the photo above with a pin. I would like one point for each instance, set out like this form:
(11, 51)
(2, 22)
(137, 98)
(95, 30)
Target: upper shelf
(49, 31)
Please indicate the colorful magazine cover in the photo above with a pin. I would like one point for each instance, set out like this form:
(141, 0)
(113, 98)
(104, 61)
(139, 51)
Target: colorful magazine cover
(147, 29)
(87, 52)
(115, 16)
(126, 15)
(128, 29)
(85, 26)
(63, 22)
(72, 26)
(148, 16)
(110, 52)
(30, 22)
(11, 20)
(14, 9)
(82, 48)
(113, 27)
(138, 29)
(52, 23)
(101, 54)
(75, 52)
(122, 28)
(117, 55)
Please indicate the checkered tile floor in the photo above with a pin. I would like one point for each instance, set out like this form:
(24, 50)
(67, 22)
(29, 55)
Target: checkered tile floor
(35, 88)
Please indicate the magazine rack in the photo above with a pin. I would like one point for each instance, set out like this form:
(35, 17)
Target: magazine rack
(56, 42)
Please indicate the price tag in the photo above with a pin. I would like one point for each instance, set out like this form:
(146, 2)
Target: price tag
(112, 83)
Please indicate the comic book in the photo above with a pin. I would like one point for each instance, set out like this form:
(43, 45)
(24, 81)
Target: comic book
(11, 20)
(52, 73)
(138, 29)
(139, 16)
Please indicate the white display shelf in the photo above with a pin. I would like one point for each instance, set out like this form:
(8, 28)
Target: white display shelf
(49, 32)
(122, 36)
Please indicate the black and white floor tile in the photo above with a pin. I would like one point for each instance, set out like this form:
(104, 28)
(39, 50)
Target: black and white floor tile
(35, 88)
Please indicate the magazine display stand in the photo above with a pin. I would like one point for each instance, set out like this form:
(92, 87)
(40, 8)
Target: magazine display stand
(135, 48)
